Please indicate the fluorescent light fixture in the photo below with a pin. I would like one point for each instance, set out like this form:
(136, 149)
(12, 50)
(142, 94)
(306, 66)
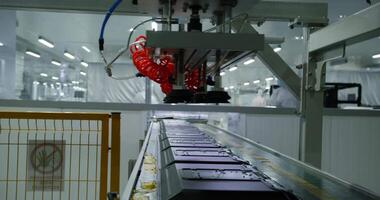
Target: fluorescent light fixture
(131, 29)
(45, 84)
(86, 49)
(246, 83)
(65, 84)
(54, 78)
(256, 81)
(43, 75)
(83, 73)
(277, 49)
(36, 83)
(232, 69)
(69, 55)
(232, 87)
(376, 56)
(58, 83)
(34, 54)
(75, 82)
(56, 63)
(222, 73)
(225, 88)
(1, 44)
(45, 42)
(269, 79)
(154, 26)
(84, 63)
(249, 61)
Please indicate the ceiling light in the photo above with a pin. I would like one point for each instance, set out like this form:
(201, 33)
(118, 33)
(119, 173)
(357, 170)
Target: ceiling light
(232, 69)
(69, 55)
(246, 83)
(249, 61)
(34, 54)
(83, 73)
(56, 63)
(256, 81)
(232, 87)
(131, 29)
(58, 83)
(269, 79)
(86, 49)
(277, 49)
(84, 63)
(297, 37)
(75, 82)
(36, 83)
(1, 44)
(43, 75)
(45, 84)
(154, 26)
(45, 42)
(376, 56)
(225, 88)
(222, 73)
(54, 78)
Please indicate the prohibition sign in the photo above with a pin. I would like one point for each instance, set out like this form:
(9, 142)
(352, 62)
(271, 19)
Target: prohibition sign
(46, 158)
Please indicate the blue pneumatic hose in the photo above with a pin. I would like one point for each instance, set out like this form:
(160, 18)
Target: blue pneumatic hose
(106, 18)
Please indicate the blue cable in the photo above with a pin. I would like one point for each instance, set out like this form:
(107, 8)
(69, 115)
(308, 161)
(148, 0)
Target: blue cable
(106, 18)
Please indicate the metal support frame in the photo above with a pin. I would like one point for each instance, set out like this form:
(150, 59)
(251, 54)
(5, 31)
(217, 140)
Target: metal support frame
(324, 45)
(350, 30)
(272, 60)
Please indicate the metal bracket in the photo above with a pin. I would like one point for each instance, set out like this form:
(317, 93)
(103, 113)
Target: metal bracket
(320, 76)
(311, 14)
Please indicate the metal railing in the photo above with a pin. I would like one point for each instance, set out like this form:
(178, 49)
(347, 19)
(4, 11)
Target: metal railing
(58, 155)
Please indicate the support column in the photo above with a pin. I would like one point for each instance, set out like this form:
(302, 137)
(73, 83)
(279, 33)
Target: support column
(312, 98)
(218, 79)
(148, 91)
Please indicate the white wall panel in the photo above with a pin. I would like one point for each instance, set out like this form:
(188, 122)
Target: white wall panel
(351, 147)
(279, 132)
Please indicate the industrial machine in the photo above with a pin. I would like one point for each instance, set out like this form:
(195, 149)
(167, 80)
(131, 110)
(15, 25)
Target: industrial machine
(186, 60)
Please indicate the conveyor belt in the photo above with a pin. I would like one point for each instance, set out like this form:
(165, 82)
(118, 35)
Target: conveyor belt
(305, 181)
(199, 168)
